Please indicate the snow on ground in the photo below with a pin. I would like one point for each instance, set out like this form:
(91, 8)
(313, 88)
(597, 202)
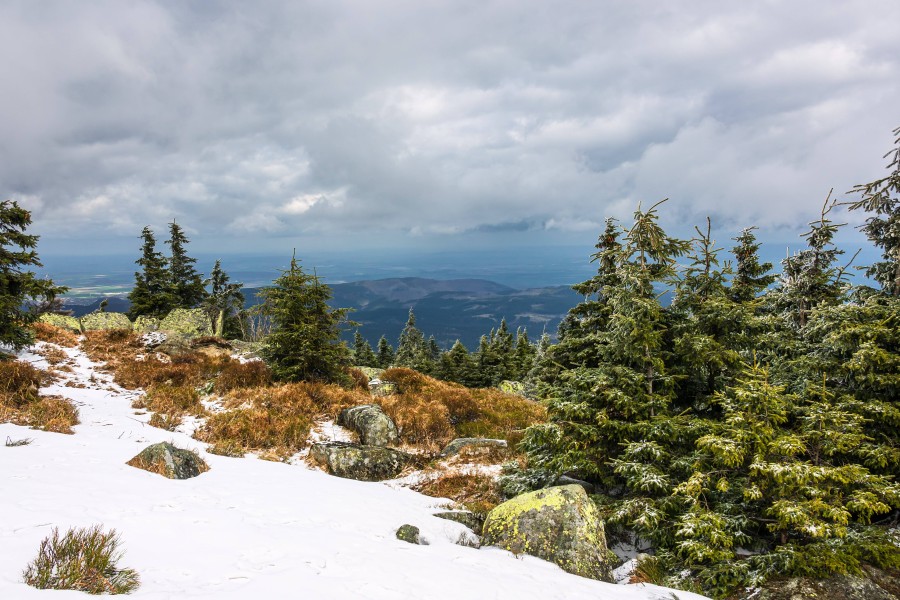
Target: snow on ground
(248, 528)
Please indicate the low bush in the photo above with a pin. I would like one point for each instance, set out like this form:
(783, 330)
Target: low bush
(44, 332)
(358, 379)
(83, 559)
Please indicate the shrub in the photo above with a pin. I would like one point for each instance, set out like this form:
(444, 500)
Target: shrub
(84, 560)
(358, 378)
(45, 332)
(419, 420)
(235, 374)
(501, 415)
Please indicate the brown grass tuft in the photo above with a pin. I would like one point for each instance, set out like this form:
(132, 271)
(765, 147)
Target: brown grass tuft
(359, 380)
(477, 492)
(235, 375)
(45, 332)
(19, 383)
(53, 355)
(50, 413)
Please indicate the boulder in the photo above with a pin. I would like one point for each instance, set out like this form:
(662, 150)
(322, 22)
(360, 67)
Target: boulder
(145, 324)
(409, 533)
(875, 584)
(363, 463)
(371, 372)
(373, 426)
(558, 524)
(191, 322)
(61, 321)
(590, 488)
(477, 444)
(378, 387)
(471, 520)
(169, 461)
(153, 339)
(105, 320)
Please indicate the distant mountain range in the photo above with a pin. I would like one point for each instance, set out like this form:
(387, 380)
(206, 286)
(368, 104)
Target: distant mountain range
(463, 309)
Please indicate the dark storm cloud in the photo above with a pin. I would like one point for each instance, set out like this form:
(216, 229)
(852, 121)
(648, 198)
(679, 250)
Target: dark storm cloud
(256, 120)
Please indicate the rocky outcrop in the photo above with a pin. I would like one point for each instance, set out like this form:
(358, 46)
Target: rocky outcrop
(558, 524)
(373, 426)
(190, 322)
(469, 519)
(379, 387)
(363, 463)
(104, 320)
(145, 324)
(875, 584)
(409, 534)
(61, 321)
(169, 461)
(484, 445)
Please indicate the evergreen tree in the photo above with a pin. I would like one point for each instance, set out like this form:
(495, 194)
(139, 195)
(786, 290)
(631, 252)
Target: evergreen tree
(362, 353)
(305, 341)
(412, 350)
(523, 356)
(151, 295)
(18, 286)
(385, 353)
(187, 284)
(223, 302)
(881, 198)
(750, 276)
(457, 365)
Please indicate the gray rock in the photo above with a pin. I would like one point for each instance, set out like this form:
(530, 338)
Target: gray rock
(169, 461)
(373, 426)
(378, 387)
(590, 488)
(874, 585)
(471, 520)
(363, 463)
(558, 524)
(61, 321)
(482, 444)
(105, 320)
(146, 324)
(190, 322)
(409, 533)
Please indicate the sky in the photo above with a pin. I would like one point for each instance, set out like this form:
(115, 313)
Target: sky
(360, 126)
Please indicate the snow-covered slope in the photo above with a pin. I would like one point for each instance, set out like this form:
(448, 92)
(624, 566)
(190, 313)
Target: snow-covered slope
(248, 528)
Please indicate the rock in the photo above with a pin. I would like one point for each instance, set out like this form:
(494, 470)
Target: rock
(174, 346)
(145, 324)
(169, 461)
(105, 320)
(478, 444)
(153, 339)
(408, 533)
(590, 488)
(363, 463)
(558, 524)
(875, 585)
(373, 426)
(378, 387)
(191, 322)
(471, 520)
(61, 321)
(371, 372)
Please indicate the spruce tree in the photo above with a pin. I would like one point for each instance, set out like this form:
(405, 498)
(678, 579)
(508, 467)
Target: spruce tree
(223, 302)
(19, 286)
(412, 350)
(457, 365)
(523, 356)
(751, 277)
(187, 286)
(362, 353)
(385, 353)
(152, 294)
(305, 342)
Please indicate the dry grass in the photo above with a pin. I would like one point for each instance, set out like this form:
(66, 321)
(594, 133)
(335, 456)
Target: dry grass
(45, 332)
(430, 413)
(169, 404)
(167, 421)
(276, 418)
(19, 383)
(51, 413)
(21, 404)
(477, 492)
(359, 380)
(53, 355)
(235, 375)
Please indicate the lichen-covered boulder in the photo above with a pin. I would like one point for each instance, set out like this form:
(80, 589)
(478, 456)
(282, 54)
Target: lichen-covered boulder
(558, 524)
(146, 324)
(378, 387)
(874, 585)
(408, 533)
(471, 520)
(473, 444)
(105, 320)
(374, 427)
(363, 463)
(371, 372)
(169, 461)
(61, 321)
(190, 322)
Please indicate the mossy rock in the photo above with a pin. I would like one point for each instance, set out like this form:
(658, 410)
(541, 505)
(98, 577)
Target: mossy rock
(473, 521)
(558, 524)
(61, 321)
(476, 444)
(191, 322)
(875, 584)
(374, 427)
(146, 324)
(363, 463)
(105, 320)
(169, 461)
(378, 387)
(408, 533)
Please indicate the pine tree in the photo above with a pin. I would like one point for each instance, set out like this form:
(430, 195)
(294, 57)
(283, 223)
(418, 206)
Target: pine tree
(305, 341)
(750, 276)
(223, 302)
(457, 365)
(385, 357)
(881, 198)
(523, 356)
(19, 286)
(412, 350)
(187, 284)
(151, 295)
(362, 353)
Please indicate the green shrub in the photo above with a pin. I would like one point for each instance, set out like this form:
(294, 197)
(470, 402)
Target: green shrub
(84, 560)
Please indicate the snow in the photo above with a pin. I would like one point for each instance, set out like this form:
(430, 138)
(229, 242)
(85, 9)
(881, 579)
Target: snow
(247, 528)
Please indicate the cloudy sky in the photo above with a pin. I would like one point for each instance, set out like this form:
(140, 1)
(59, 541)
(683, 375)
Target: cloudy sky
(264, 125)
